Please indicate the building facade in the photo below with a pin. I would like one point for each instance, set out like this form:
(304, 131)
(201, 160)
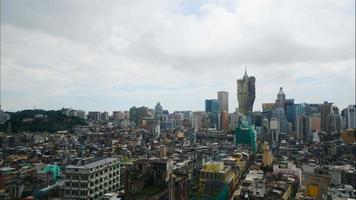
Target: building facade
(92, 180)
(212, 105)
(246, 93)
(223, 99)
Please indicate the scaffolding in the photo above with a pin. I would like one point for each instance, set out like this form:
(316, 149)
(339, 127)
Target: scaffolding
(54, 170)
(245, 134)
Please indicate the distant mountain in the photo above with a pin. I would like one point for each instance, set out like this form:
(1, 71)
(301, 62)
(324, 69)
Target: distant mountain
(39, 121)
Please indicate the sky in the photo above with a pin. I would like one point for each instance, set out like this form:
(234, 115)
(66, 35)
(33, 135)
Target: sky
(112, 55)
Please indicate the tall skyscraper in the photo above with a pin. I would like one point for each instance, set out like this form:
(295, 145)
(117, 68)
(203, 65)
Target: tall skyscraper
(349, 115)
(246, 93)
(223, 98)
(211, 105)
(325, 111)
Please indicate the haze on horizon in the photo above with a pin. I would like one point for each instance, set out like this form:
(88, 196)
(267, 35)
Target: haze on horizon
(109, 56)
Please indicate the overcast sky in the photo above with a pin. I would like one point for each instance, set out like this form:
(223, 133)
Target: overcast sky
(111, 55)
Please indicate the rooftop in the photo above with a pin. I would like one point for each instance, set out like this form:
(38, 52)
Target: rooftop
(93, 164)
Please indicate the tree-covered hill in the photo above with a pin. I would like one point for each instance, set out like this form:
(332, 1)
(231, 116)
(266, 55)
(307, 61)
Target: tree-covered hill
(40, 120)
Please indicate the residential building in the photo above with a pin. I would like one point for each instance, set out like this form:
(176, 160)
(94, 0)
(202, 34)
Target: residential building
(92, 180)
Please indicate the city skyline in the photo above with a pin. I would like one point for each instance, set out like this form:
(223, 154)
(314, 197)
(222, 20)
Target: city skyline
(114, 57)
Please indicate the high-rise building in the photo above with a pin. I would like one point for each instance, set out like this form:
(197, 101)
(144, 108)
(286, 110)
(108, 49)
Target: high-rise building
(334, 123)
(197, 120)
(224, 120)
(158, 110)
(92, 180)
(349, 116)
(301, 127)
(325, 110)
(314, 123)
(211, 105)
(246, 93)
(223, 98)
(137, 114)
(94, 116)
(281, 98)
(104, 116)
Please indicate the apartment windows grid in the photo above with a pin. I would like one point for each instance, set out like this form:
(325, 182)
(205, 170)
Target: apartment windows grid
(92, 180)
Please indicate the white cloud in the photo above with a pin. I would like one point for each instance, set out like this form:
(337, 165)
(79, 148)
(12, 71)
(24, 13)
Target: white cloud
(117, 54)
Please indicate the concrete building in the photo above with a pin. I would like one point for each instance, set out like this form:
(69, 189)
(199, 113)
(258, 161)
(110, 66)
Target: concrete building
(104, 116)
(223, 99)
(314, 123)
(325, 110)
(301, 127)
(224, 121)
(92, 180)
(94, 115)
(349, 116)
(246, 93)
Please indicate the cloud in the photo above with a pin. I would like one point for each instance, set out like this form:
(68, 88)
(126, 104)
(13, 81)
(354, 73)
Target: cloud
(113, 55)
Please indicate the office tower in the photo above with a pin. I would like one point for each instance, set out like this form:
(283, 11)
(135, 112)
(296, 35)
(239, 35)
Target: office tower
(334, 123)
(349, 116)
(301, 124)
(197, 120)
(314, 123)
(211, 105)
(138, 114)
(325, 110)
(246, 93)
(290, 110)
(92, 180)
(279, 114)
(223, 98)
(213, 118)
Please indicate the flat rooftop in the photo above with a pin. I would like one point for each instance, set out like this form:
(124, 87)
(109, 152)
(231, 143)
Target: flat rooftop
(93, 164)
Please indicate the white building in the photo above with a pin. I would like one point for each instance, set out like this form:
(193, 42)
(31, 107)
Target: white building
(92, 180)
